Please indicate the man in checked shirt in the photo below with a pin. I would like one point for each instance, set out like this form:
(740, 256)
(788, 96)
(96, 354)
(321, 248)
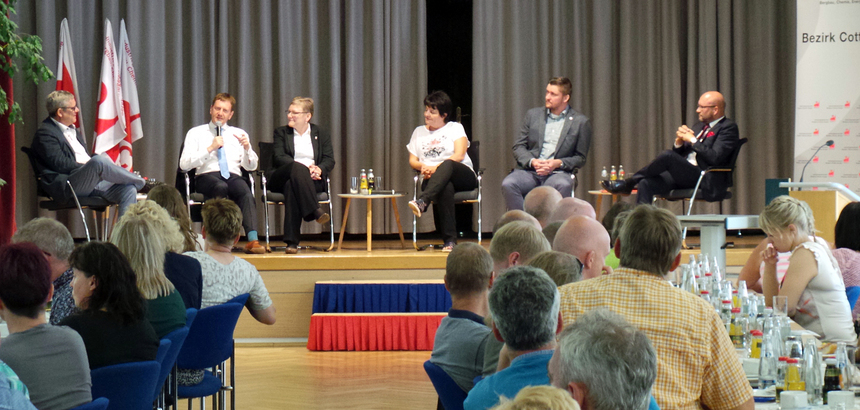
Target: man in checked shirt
(697, 364)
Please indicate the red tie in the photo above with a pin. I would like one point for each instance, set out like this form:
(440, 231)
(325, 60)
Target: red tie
(703, 135)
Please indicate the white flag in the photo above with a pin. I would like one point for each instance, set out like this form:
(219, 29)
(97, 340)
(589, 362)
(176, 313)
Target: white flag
(130, 103)
(110, 122)
(67, 80)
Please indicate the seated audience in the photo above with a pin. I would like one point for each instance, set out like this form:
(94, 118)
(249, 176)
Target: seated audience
(605, 363)
(13, 393)
(112, 320)
(515, 215)
(524, 303)
(584, 238)
(561, 267)
(612, 223)
(698, 364)
(462, 336)
(551, 229)
(539, 398)
(812, 283)
(170, 199)
(570, 207)
(144, 234)
(50, 360)
(56, 244)
(224, 275)
(540, 202)
(847, 252)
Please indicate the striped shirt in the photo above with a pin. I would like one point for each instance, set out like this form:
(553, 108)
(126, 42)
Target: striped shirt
(696, 362)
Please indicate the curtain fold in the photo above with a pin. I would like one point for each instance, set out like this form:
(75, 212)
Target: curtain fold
(363, 63)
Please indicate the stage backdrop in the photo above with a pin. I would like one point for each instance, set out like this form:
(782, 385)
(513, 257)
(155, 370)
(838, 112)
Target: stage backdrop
(828, 92)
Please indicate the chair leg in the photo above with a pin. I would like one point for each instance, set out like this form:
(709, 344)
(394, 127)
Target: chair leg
(480, 209)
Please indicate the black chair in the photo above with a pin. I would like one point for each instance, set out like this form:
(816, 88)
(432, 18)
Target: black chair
(267, 159)
(99, 205)
(185, 185)
(474, 196)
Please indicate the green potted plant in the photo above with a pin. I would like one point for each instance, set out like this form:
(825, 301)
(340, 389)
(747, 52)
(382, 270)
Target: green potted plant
(14, 49)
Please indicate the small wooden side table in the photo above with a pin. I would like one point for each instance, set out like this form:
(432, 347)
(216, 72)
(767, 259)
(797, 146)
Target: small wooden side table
(602, 193)
(370, 198)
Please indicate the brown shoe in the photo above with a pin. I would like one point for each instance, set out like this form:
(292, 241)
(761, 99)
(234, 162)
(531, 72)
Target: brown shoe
(324, 218)
(291, 250)
(254, 247)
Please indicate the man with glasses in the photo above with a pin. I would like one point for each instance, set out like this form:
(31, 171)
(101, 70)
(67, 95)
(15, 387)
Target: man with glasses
(709, 143)
(303, 158)
(62, 155)
(219, 153)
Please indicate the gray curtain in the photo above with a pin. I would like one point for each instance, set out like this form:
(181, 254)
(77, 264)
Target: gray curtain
(638, 69)
(363, 62)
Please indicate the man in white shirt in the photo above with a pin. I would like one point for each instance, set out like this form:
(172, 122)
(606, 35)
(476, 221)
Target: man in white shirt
(62, 155)
(219, 152)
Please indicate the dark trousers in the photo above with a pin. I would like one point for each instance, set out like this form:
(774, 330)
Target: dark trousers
(450, 176)
(213, 185)
(668, 171)
(300, 197)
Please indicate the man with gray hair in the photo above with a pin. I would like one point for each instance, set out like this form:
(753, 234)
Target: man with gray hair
(698, 364)
(525, 307)
(55, 241)
(605, 363)
(462, 336)
(62, 155)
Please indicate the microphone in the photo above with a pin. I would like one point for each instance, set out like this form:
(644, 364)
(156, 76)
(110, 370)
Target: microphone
(218, 130)
(829, 143)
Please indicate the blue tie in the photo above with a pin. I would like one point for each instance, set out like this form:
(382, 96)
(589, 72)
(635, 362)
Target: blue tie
(222, 163)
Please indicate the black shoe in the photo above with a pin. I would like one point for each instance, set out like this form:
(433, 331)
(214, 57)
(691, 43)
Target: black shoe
(418, 207)
(618, 187)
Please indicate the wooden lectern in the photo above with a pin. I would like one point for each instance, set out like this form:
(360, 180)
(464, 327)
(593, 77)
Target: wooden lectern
(826, 206)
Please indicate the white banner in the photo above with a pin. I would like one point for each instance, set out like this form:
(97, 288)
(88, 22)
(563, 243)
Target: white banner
(67, 79)
(827, 105)
(130, 103)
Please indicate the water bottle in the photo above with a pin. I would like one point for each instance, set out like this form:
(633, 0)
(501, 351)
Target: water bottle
(843, 363)
(621, 172)
(726, 313)
(768, 365)
(812, 376)
(613, 175)
(604, 175)
(371, 182)
(706, 296)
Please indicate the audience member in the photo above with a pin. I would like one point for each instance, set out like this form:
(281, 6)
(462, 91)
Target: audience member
(112, 320)
(515, 215)
(170, 199)
(698, 364)
(56, 244)
(752, 271)
(50, 360)
(561, 267)
(847, 252)
(524, 303)
(144, 234)
(551, 229)
(612, 222)
(539, 398)
(584, 238)
(462, 336)
(13, 393)
(812, 280)
(570, 207)
(540, 202)
(605, 363)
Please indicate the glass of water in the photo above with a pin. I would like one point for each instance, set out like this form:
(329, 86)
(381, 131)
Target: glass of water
(353, 185)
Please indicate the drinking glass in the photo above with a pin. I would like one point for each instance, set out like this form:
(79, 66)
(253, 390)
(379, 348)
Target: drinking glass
(780, 305)
(379, 186)
(353, 185)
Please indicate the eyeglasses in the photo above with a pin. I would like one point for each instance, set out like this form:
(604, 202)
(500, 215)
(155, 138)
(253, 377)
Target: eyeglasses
(293, 113)
(74, 108)
(706, 106)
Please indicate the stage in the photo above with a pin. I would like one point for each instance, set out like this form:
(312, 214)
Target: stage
(290, 279)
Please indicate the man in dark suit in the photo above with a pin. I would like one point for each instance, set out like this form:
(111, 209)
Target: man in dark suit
(551, 145)
(709, 143)
(62, 155)
(303, 159)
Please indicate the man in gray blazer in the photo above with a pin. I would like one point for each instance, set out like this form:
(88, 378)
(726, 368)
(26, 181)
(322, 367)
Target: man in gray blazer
(551, 145)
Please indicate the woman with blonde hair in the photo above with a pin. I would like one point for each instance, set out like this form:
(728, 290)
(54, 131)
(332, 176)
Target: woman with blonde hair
(145, 233)
(169, 199)
(539, 398)
(813, 283)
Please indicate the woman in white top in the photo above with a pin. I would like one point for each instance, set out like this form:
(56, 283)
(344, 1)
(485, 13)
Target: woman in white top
(812, 283)
(437, 149)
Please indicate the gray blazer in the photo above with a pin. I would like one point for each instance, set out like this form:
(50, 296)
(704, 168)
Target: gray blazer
(572, 145)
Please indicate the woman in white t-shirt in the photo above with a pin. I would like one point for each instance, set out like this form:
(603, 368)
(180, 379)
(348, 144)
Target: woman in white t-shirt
(437, 149)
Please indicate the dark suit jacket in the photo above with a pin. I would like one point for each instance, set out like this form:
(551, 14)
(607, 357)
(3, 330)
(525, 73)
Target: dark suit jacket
(285, 148)
(715, 148)
(55, 159)
(572, 145)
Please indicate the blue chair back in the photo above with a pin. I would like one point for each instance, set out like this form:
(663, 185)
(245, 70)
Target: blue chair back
(128, 386)
(100, 403)
(190, 314)
(163, 349)
(241, 299)
(176, 339)
(210, 339)
(853, 292)
(451, 395)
